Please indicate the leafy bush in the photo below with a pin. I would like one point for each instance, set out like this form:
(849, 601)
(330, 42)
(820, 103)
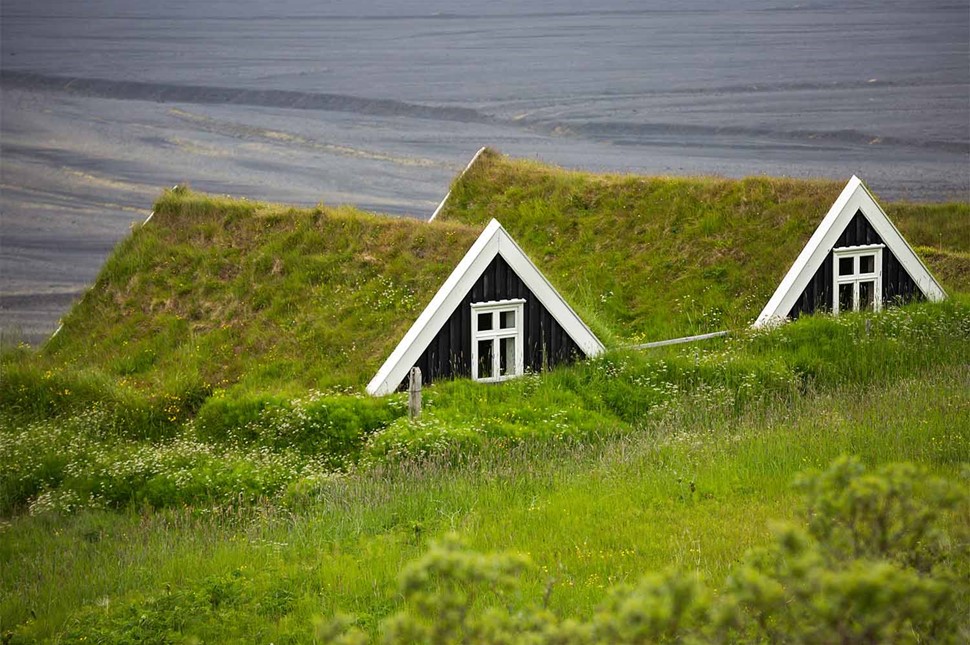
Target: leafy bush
(31, 392)
(66, 464)
(442, 587)
(316, 424)
(873, 565)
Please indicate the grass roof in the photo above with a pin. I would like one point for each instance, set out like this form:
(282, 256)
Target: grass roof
(649, 258)
(226, 292)
(267, 296)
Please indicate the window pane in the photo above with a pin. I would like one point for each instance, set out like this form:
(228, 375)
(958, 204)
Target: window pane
(485, 321)
(485, 358)
(845, 297)
(846, 266)
(507, 320)
(506, 358)
(867, 264)
(866, 291)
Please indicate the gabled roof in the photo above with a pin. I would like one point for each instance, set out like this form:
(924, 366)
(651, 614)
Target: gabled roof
(493, 241)
(855, 198)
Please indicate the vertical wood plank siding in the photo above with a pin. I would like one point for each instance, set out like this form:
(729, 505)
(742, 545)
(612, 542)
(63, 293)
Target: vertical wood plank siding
(897, 285)
(546, 343)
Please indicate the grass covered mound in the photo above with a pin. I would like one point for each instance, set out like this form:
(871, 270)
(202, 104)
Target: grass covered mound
(220, 294)
(214, 292)
(650, 258)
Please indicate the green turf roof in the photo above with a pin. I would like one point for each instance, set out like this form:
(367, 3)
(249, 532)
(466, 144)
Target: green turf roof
(266, 295)
(648, 258)
(238, 293)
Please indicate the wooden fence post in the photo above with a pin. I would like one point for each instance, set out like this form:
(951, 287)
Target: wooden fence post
(414, 393)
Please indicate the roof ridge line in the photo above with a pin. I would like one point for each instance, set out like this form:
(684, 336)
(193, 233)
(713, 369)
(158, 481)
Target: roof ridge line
(444, 200)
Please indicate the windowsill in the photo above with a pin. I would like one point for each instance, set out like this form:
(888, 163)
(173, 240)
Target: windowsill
(497, 379)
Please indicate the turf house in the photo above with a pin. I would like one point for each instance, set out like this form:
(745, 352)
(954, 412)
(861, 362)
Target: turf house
(494, 317)
(856, 260)
(497, 314)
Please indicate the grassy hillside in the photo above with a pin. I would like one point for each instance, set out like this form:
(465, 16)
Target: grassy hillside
(76, 439)
(648, 258)
(191, 459)
(692, 491)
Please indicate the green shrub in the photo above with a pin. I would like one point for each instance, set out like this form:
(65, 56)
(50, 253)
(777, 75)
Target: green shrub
(442, 587)
(874, 565)
(31, 392)
(226, 419)
(333, 426)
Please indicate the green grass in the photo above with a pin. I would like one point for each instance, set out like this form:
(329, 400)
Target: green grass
(694, 491)
(72, 441)
(600, 472)
(215, 293)
(68, 444)
(191, 456)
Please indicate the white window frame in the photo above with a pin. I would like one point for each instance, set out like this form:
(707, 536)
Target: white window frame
(496, 307)
(856, 252)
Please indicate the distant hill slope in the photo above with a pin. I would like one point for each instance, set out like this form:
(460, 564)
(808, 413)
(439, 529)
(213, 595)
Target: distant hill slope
(656, 257)
(215, 292)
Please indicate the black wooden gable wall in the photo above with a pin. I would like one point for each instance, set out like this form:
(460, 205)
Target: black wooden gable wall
(546, 343)
(897, 284)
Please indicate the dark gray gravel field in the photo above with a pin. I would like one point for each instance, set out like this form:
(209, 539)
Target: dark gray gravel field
(380, 103)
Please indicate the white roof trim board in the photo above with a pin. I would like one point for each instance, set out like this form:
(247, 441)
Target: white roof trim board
(493, 241)
(855, 197)
(444, 200)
